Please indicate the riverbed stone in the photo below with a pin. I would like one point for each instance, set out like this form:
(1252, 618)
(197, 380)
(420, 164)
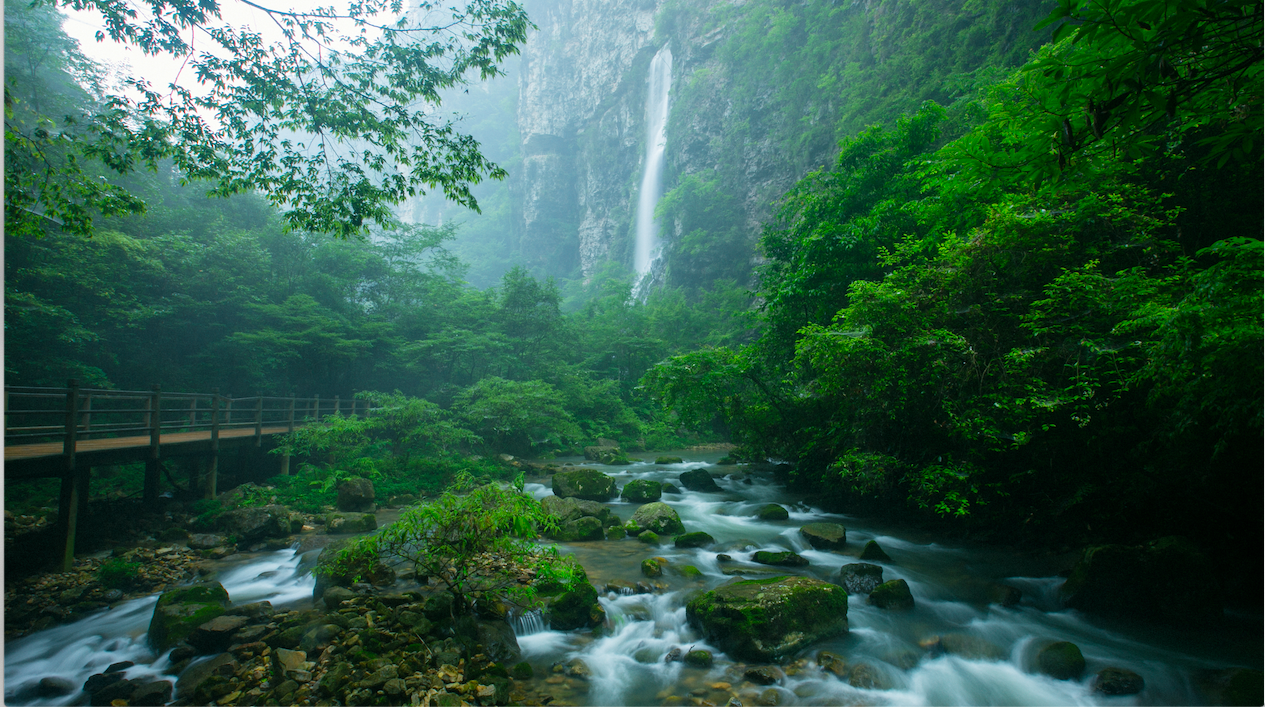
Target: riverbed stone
(764, 675)
(668, 460)
(658, 517)
(205, 541)
(873, 553)
(180, 611)
(350, 523)
(642, 491)
(772, 511)
(860, 577)
(868, 677)
(1118, 681)
(355, 495)
(217, 634)
(606, 454)
(575, 608)
(222, 666)
(696, 539)
(1004, 595)
(1061, 660)
(769, 620)
(699, 480)
(963, 645)
(648, 537)
(698, 658)
(653, 566)
(578, 530)
(1169, 579)
(257, 523)
(784, 558)
(587, 484)
(825, 536)
(894, 594)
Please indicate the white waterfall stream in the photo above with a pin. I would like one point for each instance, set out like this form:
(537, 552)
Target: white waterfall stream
(647, 247)
(626, 662)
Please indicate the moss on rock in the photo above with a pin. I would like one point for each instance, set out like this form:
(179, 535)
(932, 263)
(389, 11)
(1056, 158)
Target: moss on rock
(180, 611)
(642, 491)
(892, 595)
(659, 517)
(770, 619)
(1061, 660)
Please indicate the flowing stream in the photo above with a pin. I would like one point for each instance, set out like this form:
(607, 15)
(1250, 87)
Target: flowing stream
(646, 247)
(950, 583)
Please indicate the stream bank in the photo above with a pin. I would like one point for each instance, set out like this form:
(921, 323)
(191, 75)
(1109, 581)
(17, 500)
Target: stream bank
(958, 644)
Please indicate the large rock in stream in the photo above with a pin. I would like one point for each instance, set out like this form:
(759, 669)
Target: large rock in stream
(659, 518)
(587, 484)
(180, 611)
(1169, 579)
(769, 620)
(355, 495)
(260, 522)
(699, 480)
(578, 519)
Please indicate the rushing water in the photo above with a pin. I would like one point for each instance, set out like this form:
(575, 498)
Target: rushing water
(76, 651)
(950, 583)
(951, 586)
(646, 247)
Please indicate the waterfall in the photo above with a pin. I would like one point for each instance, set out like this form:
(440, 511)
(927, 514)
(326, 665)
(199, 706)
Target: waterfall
(529, 623)
(647, 245)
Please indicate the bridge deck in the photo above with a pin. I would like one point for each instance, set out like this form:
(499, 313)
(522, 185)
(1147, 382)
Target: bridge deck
(54, 449)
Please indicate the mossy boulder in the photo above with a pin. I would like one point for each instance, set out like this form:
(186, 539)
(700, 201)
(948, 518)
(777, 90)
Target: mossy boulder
(334, 572)
(613, 456)
(1169, 580)
(659, 517)
(860, 577)
(825, 536)
(578, 530)
(642, 491)
(355, 495)
(1061, 661)
(653, 566)
(258, 523)
(180, 611)
(784, 558)
(698, 659)
(1118, 681)
(772, 511)
(668, 460)
(892, 595)
(698, 539)
(577, 607)
(670, 488)
(648, 537)
(873, 553)
(616, 533)
(587, 484)
(350, 523)
(699, 480)
(566, 509)
(770, 620)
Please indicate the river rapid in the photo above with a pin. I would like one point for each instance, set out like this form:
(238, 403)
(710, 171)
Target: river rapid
(951, 584)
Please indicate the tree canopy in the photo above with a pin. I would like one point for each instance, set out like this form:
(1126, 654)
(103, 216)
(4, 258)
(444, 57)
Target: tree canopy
(330, 114)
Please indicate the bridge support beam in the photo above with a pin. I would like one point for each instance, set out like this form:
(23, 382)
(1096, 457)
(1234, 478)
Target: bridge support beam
(285, 464)
(72, 498)
(149, 496)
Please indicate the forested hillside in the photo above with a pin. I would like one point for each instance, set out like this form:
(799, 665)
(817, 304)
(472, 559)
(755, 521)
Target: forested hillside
(1019, 300)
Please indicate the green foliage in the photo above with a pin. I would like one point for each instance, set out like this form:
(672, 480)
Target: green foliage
(366, 75)
(118, 574)
(519, 416)
(473, 540)
(951, 330)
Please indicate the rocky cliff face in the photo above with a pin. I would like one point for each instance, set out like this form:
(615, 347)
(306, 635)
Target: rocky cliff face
(761, 94)
(581, 117)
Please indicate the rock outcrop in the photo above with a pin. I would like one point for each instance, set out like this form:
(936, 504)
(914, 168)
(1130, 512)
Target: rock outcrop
(769, 620)
(585, 484)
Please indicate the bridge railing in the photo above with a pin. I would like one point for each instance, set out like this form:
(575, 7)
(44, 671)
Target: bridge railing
(34, 415)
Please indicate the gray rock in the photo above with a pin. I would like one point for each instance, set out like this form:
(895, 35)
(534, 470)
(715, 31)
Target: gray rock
(356, 523)
(658, 517)
(1118, 681)
(892, 595)
(825, 536)
(254, 524)
(217, 634)
(54, 686)
(770, 619)
(587, 484)
(860, 577)
(874, 553)
(356, 495)
(699, 480)
(206, 541)
(642, 491)
(772, 511)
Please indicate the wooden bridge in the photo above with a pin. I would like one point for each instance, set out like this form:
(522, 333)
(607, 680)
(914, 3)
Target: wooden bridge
(65, 432)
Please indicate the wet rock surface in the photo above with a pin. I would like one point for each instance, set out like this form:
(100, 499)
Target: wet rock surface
(770, 619)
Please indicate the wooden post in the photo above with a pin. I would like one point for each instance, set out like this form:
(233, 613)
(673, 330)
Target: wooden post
(213, 465)
(154, 404)
(69, 501)
(290, 421)
(86, 413)
(338, 404)
(259, 419)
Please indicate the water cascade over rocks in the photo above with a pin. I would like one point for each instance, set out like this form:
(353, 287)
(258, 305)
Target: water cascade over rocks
(646, 248)
(962, 642)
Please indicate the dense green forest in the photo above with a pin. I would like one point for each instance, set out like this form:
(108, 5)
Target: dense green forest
(1024, 301)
